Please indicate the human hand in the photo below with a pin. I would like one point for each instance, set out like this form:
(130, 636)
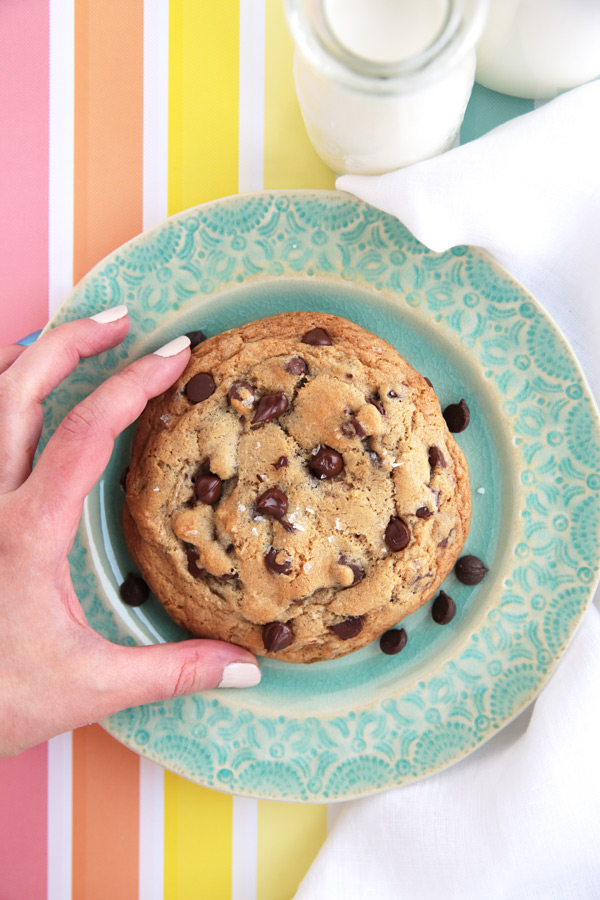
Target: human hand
(57, 673)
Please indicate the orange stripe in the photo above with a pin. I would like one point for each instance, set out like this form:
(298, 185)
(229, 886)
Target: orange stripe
(105, 817)
(108, 128)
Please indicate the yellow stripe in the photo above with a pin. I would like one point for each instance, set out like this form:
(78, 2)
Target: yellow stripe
(203, 101)
(289, 161)
(198, 827)
(289, 837)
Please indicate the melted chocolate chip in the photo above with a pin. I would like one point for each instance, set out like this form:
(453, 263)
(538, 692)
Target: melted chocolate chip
(277, 562)
(428, 381)
(457, 416)
(273, 502)
(281, 463)
(355, 426)
(270, 407)
(277, 636)
(317, 337)
(296, 366)
(196, 337)
(378, 405)
(134, 591)
(208, 488)
(192, 564)
(326, 462)
(200, 387)
(358, 571)
(423, 512)
(123, 479)
(243, 392)
(470, 569)
(443, 609)
(393, 641)
(348, 628)
(397, 534)
(436, 458)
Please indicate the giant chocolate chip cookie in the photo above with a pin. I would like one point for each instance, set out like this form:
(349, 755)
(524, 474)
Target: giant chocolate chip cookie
(297, 491)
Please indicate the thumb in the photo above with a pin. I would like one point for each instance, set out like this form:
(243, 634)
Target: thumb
(131, 676)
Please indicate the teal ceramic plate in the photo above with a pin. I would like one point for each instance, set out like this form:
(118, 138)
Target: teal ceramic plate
(349, 727)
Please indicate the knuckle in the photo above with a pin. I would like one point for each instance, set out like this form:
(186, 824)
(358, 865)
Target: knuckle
(80, 421)
(186, 676)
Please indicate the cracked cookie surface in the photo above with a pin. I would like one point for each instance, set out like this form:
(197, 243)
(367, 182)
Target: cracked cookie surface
(297, 491)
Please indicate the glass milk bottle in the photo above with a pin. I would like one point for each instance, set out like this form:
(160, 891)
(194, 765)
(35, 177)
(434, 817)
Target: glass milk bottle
(538, 48)
(383, 83)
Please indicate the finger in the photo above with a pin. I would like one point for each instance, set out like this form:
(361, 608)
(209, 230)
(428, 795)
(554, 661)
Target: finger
(8, 356)
(80, 448)
(33, 374)
(121, 677)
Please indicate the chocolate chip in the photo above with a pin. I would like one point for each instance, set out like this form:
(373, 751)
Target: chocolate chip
(123, 478)
(196, 337)
(357, 570)
(270, 407)
(134, 591)
(208, 488)
(200, 387)
(281, 463)
(393, 641)
(243, 392)
(436, 458)
(470, 569)
(273, 502)
(378, 405)
(428, 381)
(317, 337)
(326, 462)
(192, 564)
(277, 636)
(348, 628)
(392, 395)
(423, 512)
(353, 428)
(228, 576)
(397, 534)
(457, 416)
(296, 366)
(278, 562)
(443, 609)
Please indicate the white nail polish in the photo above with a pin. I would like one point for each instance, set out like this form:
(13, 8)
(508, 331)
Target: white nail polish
(240, 675)
(110, 315)
(174, 347)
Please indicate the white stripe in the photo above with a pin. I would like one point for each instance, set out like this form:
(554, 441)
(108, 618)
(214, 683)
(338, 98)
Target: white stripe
(244, 848)
(156, 112)
(61, 151)
(251, 123)
(60, 816)
(252, 95)
(152, 809)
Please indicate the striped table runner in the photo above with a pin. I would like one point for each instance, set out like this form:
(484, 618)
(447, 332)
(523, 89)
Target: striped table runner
(117, 113)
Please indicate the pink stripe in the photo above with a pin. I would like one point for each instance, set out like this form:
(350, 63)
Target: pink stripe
(23, 825)
(24, 102)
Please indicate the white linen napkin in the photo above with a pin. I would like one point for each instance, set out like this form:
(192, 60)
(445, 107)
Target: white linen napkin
(519, 819)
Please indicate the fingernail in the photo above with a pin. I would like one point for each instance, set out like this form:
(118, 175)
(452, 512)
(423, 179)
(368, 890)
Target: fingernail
(173, 347)
(110, 315)
(240, 675)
